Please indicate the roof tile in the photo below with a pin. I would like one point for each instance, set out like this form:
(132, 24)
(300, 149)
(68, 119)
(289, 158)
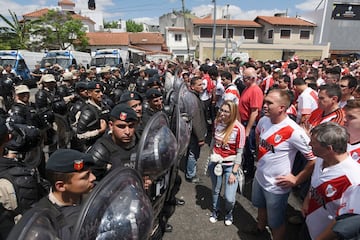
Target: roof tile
(288, 21)
(146, 38)
(106, 38)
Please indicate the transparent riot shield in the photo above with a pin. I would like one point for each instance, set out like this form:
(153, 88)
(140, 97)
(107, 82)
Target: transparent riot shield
(157, 153)
(35, 224)
(117, 208)
(157, 148)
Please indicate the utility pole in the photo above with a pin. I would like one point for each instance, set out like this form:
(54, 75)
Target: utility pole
(214, 31)
(186, 33)
(227, 31)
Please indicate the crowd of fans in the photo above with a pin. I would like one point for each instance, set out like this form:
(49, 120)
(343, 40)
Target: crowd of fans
(286, 124)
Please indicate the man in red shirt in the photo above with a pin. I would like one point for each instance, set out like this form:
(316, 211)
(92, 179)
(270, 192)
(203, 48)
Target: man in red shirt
(250, 105)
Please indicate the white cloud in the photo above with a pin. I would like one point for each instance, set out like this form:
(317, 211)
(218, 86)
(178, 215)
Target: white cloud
(147, 20)
(235, 12)
(310, 5)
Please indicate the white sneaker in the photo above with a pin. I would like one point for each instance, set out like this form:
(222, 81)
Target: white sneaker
(228, 222)
(213, 218)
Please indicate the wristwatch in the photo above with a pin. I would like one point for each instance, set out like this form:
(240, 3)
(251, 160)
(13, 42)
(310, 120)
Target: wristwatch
(235, 173)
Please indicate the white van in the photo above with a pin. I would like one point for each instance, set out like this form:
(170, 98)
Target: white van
(66, 58)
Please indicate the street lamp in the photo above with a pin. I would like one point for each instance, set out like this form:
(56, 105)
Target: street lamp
(227, 31)
(214, 31)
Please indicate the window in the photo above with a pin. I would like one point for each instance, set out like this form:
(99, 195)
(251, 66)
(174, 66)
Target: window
(249, 33)
(304, 34)
(285, 33)
(178, 37)
(230, 31)
(270, 34)
(206, 32)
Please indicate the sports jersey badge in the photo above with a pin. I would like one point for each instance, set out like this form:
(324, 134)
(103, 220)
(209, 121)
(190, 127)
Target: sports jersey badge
(277, 138)
(355, 156)
(330, 191)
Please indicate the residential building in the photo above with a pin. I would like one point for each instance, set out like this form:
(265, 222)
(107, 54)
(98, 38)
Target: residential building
(267, 37)
(179, 43)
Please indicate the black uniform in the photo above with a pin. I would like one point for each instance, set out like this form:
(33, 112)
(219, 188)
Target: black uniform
(105, 152)
(27, 188)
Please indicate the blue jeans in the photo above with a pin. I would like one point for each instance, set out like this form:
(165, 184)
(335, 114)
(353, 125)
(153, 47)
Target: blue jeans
(230, 189)
(193, 156)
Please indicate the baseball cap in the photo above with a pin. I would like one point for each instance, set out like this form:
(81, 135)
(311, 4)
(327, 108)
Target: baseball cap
(48, 78)
(21, 89)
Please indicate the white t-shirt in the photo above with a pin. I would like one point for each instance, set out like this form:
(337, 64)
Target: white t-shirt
(278, 146)
(307, 102)
(354, 151)
(327, 187)
(219, 91)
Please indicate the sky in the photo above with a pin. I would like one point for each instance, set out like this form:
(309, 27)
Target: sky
(150, 11)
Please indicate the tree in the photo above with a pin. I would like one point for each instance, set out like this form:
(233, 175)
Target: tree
(113, 24)
(58, 30)
(132, 26)
(15, 34)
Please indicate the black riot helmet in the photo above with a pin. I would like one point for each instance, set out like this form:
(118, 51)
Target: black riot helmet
(24, 138)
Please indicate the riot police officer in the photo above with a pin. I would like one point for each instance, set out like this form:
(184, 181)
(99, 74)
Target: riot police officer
(20, 185)
(118, 146)
(92, 121)
(70, 177)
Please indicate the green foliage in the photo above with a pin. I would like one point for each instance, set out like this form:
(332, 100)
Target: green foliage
(15, 35)
(58, 30)
(132, 26)
(113, 24)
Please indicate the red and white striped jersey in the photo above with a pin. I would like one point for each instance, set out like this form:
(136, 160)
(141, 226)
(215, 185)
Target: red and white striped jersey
(278, 146)
(307, 102)
(327, 187)
(236, 140)
(231, 93)
(317, 117)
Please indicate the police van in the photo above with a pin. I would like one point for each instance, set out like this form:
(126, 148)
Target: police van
(109, 57)
(65, 58)
(22, 62)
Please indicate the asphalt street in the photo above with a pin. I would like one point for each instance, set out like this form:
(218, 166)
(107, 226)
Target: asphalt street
(191, 221)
